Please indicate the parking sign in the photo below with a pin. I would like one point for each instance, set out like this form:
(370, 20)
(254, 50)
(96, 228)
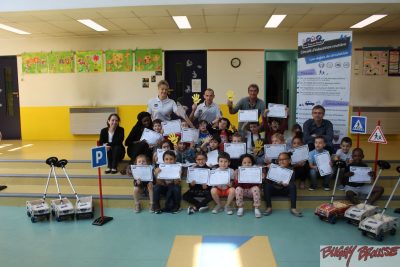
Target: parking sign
(99, 156)
(358, 125)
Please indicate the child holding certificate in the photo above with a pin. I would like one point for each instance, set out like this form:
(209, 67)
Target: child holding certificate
(315, 171)
(295, 131)
(165, 145)
(343, 153)
(198, 191)
(223, 190)
(171, 188)
(247, 189)
(185, 152)
(301, 168)
(203, 134)
(223, 131)
(276, 139)
(273, 125)
(139, 185)
(252, 132)
(355, 189)
(288, 188)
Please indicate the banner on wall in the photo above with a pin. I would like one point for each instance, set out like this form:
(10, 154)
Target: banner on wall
(148, 60)
(89, 61)
(35, 63)
(119, 60)
(323, 77)
(61, 62)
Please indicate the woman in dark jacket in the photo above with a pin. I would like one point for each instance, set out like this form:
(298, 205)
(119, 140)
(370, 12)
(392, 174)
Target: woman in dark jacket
(112, 137)
(133, 143)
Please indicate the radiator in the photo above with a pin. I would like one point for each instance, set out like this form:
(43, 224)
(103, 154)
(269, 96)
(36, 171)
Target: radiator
(89, 120)
(389, 117)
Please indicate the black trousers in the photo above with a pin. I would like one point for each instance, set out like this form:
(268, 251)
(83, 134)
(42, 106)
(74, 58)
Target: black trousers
(274, 190)
(115, 155)
(302, 172)
(172, 194)
(192, 196)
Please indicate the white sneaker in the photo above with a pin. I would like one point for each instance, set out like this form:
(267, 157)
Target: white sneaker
(228, 210)
(203, 209)
(216, 209)
(257, 213)
(240, 212)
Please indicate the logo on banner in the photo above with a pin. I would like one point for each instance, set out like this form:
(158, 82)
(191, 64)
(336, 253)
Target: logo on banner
(377, 136)
(356, 255)
(358, 125)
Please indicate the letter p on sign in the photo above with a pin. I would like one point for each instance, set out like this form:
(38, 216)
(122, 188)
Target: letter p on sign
(99, 156)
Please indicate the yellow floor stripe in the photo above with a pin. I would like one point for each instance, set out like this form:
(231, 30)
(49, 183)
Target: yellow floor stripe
(184, 252)
(257, 252)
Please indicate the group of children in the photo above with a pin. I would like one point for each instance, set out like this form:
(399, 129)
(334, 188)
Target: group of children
(213, 139)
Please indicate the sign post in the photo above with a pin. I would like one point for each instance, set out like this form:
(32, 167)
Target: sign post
(99, 158)
(378, 138)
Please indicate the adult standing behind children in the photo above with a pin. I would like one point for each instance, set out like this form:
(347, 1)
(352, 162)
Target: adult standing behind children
(162, 106)
(208, 110)
(318, 126)
(249, 102)
(112, 137)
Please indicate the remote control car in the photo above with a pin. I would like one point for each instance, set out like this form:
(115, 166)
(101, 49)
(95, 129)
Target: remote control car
(330, 212)
(84, 205)
(377, 225)
(38, 209)
(359, 212)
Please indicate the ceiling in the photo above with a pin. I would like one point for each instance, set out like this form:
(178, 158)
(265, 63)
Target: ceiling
(227, 18)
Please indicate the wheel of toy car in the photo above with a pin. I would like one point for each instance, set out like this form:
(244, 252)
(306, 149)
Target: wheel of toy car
(332, 219)
(48, 217)
(364, 233)
(58, 219)
(321, 218)
(53, 213)
(392, 231)
(92, 215)
(28, 213)
(380, 236)
(33, 219)
(72, 217)
(348, 221)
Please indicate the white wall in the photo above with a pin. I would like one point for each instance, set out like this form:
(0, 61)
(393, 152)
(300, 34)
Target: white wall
(125, 88)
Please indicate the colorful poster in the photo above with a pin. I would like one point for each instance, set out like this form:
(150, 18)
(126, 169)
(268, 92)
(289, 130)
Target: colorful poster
(148, 60)
(89, 61)
(119, 60)
(61, 62)
(34, 63)
(394, 63)
(375, 63)
(323, 77)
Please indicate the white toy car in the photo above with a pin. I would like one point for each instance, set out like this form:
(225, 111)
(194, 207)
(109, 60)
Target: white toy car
(359, 212)
(37, 209)
(62, 209)
(84, 208)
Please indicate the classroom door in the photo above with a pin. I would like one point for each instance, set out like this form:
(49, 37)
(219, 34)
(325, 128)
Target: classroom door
(280, 79)
(10, 124)
(186, 73)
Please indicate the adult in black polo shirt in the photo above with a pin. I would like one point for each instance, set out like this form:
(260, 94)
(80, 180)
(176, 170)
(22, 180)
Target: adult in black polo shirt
(318, 126)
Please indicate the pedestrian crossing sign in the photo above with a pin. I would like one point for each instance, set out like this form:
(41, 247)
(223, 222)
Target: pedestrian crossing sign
(377, 136)
(358, 125)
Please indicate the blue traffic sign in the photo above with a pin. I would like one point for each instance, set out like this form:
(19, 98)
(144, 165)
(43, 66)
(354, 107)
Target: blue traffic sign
(99, 156)
(358, 125)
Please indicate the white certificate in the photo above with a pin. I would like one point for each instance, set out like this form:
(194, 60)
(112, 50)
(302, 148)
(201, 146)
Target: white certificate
(279, 174)
(219, 177)
(170, 171)
(276, 110)
(170, 127)
(142, 172)
(199, 175)
(189, 135)
(212, 158)
(323, 163)
(248, 115)
(300, 153)
(250, 175)
(150, 136)
(361, 174)
(235, 150)
(273, 151)
(160, 154)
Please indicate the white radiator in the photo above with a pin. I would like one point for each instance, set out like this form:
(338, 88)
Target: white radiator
(89, 120)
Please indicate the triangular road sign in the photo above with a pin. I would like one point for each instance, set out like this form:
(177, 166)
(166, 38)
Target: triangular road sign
(377, 136)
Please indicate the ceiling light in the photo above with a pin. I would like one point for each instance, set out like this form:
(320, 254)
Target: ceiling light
(182, 22)
(368, 21)
(274, 21)
(91, 24)
(11, 29)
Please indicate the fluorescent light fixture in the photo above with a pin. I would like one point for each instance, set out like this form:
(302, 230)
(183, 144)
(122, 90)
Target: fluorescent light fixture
(91, 24)
(368, 21)
(182, 22)
(12, 29)
(274, 21)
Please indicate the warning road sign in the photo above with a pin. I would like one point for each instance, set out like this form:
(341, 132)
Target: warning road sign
(358, 125)
(377, 136)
